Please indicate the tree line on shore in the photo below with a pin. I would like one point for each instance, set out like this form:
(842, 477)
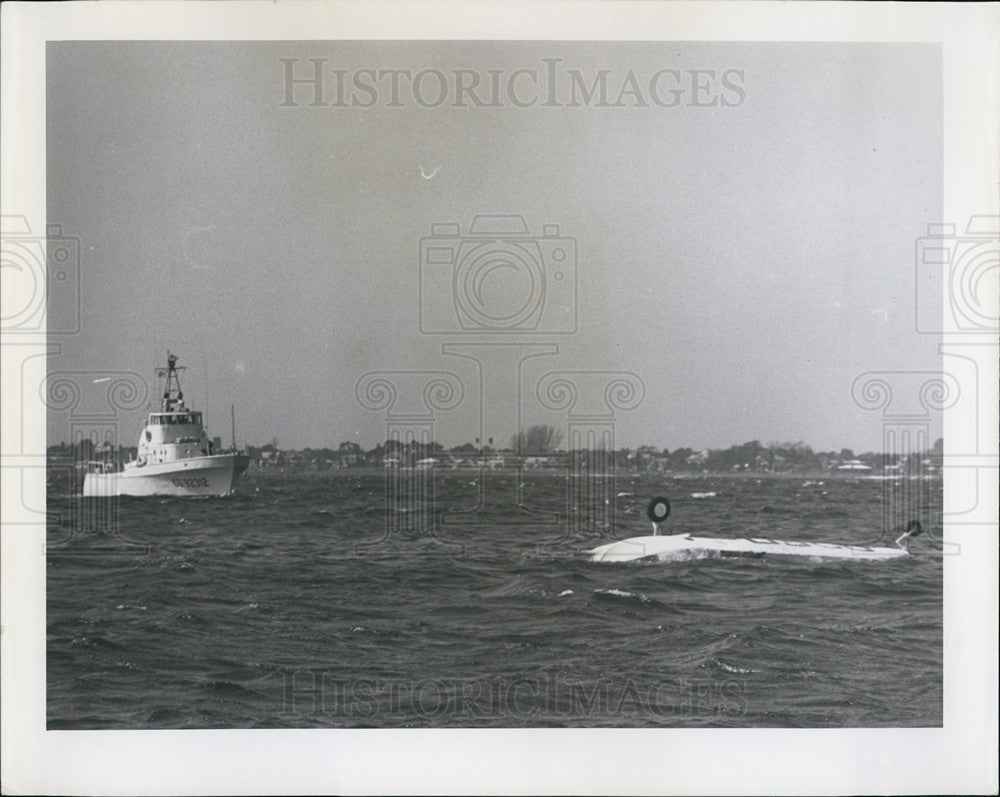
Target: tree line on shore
(538, 446)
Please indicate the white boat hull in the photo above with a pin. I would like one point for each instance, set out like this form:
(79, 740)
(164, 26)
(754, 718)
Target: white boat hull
(676, 547)
(196, 476)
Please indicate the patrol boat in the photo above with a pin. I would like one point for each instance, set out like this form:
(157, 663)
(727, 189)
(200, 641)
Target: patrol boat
(175, 456)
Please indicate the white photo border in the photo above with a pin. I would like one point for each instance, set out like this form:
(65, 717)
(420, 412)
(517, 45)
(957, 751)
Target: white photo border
(961, 757)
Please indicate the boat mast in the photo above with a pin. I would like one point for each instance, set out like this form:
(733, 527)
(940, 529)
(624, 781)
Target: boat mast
(232, 413)
(173, 396)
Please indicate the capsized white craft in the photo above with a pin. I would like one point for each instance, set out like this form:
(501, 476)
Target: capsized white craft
(685, 546)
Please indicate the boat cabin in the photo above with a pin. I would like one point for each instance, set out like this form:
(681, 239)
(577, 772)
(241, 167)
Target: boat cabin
(176, 435)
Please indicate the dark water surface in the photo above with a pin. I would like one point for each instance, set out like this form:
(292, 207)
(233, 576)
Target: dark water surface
(289, 604)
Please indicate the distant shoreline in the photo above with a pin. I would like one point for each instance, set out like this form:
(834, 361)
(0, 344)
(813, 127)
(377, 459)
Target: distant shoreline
(563, 473)
(66, 463)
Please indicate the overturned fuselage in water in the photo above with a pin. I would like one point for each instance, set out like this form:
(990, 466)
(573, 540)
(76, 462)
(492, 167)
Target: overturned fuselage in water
(671, 547)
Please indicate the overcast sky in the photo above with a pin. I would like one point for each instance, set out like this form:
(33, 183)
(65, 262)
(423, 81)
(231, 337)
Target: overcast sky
(746, 260)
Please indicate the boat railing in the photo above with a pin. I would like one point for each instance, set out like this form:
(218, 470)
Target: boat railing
(101, 466)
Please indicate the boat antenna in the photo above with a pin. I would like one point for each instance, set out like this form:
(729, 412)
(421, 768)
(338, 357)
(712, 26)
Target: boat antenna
(913, 529)
(172, 383)
(204, 360)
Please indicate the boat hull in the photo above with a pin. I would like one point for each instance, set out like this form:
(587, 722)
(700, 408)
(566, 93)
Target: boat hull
(684, 546)
(214, 475)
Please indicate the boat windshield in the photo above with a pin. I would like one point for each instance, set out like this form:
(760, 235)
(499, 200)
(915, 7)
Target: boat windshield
(174, 418)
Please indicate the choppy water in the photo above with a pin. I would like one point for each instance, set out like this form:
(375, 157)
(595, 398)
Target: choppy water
(290, 604)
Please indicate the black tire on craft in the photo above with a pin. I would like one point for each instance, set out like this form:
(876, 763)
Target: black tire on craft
(658, 510)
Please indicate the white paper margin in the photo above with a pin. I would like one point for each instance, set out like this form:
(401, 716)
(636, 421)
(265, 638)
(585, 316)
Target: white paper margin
(960, 758)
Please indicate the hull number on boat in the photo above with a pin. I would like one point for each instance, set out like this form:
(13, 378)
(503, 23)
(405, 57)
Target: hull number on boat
(199, 482)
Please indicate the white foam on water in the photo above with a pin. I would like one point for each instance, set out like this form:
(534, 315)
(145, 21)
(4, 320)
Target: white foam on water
(729, 668)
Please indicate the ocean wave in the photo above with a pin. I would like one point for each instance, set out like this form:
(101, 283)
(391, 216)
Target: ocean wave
(307, 585)
(732, 668)
(614, 595)
(227, 689)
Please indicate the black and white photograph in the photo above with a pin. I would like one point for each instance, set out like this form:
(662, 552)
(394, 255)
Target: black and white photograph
(411, 397)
